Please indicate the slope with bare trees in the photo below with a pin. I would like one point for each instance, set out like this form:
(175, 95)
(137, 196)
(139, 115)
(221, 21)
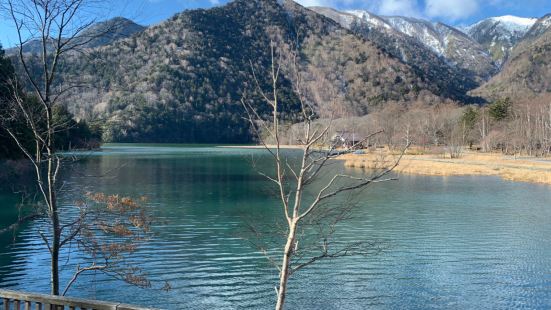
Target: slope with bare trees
(189, 72)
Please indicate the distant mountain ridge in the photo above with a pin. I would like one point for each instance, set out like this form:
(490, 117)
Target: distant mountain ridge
(98, 34)
(182, 80)
(500, 34)
(507, 56)
(445, 41)
(426, 62)
(527, 72)
(540, 27)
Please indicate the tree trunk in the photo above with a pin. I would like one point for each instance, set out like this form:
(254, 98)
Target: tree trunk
(55, 269)
(54, 217)
(284, 275)
(55, 248)
(483, 132)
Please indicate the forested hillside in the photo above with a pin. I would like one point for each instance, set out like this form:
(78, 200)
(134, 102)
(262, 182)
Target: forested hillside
(98, 34)
(70, 133)
(182, 80)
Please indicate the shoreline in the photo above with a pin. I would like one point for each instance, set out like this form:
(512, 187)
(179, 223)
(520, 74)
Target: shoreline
(518, 169)
(256, 147)
(522, 169)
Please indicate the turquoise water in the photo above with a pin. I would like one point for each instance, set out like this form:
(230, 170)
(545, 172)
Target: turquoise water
(446, 243)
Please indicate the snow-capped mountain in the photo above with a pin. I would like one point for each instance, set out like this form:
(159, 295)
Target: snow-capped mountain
(540, 27)
(424, 61)
(419, 29)
(500, 34)
(527, 72)
(422, 30)
(370, 18)
(454, 46)
(448, 42)
(512, 54)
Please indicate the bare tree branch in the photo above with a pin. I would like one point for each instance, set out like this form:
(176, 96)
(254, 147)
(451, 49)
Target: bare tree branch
(317, 154)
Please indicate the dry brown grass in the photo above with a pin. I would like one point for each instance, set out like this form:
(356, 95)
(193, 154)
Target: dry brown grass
(534, 170)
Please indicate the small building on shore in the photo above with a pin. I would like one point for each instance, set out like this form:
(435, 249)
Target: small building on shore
(347, 140)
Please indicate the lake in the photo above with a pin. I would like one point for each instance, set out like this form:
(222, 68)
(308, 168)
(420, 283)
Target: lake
(446, 243)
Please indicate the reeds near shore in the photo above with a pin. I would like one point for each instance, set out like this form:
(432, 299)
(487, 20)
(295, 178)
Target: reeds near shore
(525, 169)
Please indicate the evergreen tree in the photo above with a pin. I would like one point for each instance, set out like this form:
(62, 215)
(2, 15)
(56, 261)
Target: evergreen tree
(70, 134)
(8, 149)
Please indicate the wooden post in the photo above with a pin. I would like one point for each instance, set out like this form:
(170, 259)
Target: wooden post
(6, 304)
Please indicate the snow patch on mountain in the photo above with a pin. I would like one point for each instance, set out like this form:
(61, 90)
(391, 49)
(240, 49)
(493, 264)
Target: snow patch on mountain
(546, 21)
(445, 41)
(419, 42)
(500, 34)
(507, 22)
(541, 26)
(515, 20)
(370, 18)
(423, 31)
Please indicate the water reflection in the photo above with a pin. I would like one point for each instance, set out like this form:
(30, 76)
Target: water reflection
(466, 243)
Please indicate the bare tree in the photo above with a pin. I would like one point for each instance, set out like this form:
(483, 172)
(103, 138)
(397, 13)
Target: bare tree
(107, 229)
(305, 195)
(58, 27)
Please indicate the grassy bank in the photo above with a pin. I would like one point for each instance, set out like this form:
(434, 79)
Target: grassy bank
(524, 169)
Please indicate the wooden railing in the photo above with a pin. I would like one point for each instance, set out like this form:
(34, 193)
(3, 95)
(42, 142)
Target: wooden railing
(20, 300)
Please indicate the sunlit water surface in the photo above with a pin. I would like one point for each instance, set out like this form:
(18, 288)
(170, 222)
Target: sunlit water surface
(448, 243)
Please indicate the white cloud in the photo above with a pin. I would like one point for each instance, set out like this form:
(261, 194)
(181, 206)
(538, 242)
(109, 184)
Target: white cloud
(451, 9)
(399, 7)
(384, 7)
(329, 3)
(315, 3)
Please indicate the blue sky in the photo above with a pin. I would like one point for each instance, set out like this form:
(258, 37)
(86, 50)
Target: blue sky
(453, 12)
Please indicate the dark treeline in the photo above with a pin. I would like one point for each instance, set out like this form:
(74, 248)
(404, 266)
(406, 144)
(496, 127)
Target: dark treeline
(8, 149)
(70, 133)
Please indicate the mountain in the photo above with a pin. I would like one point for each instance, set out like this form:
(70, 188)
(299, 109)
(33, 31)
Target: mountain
(98, 34)
(500, 34)
(107, 32)
(183, 80)
(426, 62)
(444, 40)
(540, 27)
(527, 72)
